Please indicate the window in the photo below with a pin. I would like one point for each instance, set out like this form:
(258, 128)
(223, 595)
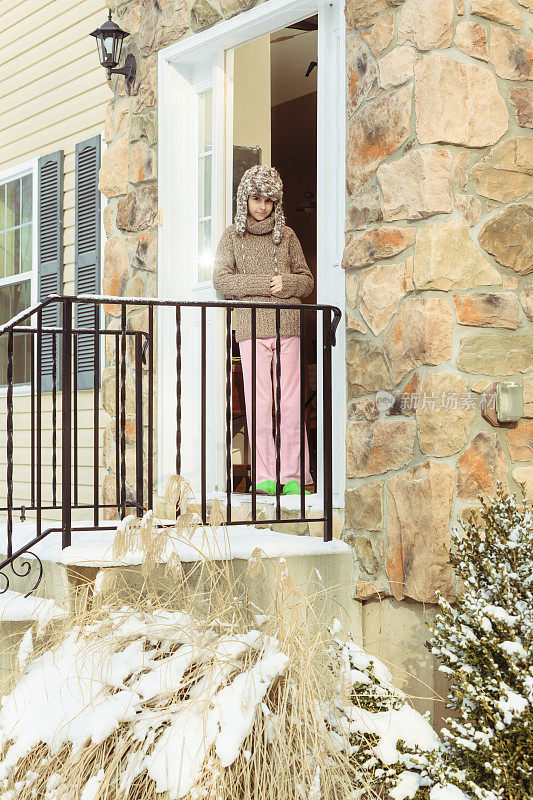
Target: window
(205, 184)
(16, 267)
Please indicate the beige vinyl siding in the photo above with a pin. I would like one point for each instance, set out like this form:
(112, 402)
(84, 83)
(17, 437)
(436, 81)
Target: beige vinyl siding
(53, 94)
(22, 454)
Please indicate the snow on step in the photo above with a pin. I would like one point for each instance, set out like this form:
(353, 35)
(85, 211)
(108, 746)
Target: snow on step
(15, 607)
(95, 548)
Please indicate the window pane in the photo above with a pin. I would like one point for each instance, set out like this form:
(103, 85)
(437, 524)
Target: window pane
(205, 121)
(16, 257)
(13, 300)
(10, 253)
(2, 255)
(27, 198)
(26, 255)
(204, 188)
(2, 207)
(13, 203)
(205, 169)
(205, 258)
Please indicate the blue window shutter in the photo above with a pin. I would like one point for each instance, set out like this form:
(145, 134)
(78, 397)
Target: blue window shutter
(87, 250)
(50, 255)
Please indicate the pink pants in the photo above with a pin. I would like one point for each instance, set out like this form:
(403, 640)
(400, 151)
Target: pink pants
(290, 407)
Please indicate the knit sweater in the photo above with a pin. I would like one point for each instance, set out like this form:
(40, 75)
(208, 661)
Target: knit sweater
(244, 266)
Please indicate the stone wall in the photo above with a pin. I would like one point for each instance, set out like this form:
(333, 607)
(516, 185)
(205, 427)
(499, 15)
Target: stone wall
(438, 263)
(128, 178)
(438, 257)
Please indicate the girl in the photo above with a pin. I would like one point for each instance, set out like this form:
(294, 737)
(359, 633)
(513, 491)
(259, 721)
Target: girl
(260, 258)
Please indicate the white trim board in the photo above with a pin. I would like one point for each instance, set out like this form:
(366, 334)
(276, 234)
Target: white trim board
(180, 59)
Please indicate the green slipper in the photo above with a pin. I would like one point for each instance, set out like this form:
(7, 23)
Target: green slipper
(293, 487)
(266, 487)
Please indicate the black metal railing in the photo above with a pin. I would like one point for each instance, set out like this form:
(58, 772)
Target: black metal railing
(54, 353)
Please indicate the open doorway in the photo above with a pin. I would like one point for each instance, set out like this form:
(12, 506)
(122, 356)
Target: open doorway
(274, 122)
(195, 190)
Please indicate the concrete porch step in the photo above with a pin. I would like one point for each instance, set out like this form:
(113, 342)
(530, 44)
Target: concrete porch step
(318, 568)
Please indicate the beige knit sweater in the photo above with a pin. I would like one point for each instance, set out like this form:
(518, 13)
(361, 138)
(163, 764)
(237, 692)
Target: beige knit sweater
(244, 266)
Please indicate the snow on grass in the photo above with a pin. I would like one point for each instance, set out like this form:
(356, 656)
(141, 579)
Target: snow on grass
(190, 693)
(110, 674)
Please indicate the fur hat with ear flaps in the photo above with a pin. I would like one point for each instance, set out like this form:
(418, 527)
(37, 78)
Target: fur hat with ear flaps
(261, 180)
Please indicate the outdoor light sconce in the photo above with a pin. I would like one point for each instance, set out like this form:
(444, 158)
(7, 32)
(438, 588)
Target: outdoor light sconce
(109, 38)
(503, 404)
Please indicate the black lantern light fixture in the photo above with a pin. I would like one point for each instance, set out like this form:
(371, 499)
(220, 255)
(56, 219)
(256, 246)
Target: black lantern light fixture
(109, 38)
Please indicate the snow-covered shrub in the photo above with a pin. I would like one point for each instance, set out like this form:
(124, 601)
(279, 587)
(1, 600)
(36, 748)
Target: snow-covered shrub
(387, 737)
(485, 644)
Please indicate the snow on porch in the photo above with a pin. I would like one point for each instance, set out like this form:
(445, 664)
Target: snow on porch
(95, 548)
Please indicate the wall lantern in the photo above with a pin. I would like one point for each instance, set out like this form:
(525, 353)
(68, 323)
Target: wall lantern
(109, 39)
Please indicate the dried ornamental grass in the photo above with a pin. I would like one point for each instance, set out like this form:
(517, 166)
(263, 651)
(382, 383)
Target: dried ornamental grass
(198, 695)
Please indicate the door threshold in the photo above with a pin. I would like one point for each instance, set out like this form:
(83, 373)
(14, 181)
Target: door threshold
(313, 502)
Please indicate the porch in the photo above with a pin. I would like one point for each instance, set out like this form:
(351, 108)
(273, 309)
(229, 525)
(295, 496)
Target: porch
(61, 478)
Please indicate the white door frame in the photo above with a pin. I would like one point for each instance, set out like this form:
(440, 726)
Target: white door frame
(212, 43)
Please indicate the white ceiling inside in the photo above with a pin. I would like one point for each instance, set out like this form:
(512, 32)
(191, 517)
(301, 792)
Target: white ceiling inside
(291, 51)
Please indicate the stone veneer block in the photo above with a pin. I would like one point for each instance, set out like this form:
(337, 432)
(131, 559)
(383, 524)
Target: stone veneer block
(506, 172)
(420, 334)
(113, 175)
(143, 162)
(379, 36)
(118, 117)
(374, 244)
(364, 507)
(161, 24)
(447, 258)
(498, 11)
(524, 477)
(352, 323)
(418, 537)
(526, 298)
(444, 419)
(522, 100)
(520, 441)
(508, 237)
(426, 23)
(373, 448)
(365, 209)
(363, 408)
(417, 185)
(488, 310)
(361, 73)
(361, 13)
(480, 467)
(115, 273)
(469, 207)
(472, 39)
(203, 15)
(377, 131)
(138, 209)
(511, 54)
(396, 67)
(457, 103)
(496, 353)
(147, 92)
(381, 291)
(528, 398)
(367, 370)
(143, 251)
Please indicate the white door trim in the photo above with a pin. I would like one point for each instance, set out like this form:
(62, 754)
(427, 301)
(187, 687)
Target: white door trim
(259, 21)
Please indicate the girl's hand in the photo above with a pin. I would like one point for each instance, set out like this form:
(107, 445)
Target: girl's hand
(276, 284)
